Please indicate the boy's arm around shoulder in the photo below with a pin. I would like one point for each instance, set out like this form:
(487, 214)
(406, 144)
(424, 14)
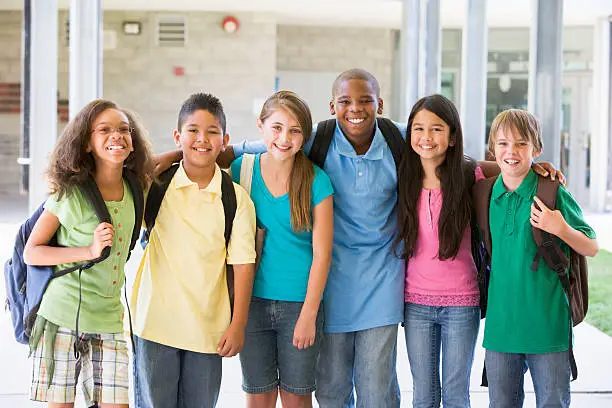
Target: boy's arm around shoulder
(566, 222)
(240, 254)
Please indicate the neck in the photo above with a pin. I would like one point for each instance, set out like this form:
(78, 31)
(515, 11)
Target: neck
(200, 175)
(108, 175)
(280, 170)
(430, 178)
(361, 146)
(512, 183)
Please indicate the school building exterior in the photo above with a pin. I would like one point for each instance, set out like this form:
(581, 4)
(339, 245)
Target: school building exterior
(550, 56)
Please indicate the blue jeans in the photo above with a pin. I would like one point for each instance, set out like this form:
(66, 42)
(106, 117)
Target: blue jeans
(364, 359)
(173, 378)
(550, 373)
(269, 359)
(447, 330)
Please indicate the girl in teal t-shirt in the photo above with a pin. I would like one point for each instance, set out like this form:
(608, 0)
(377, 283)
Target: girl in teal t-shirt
(101, 141)
(293, 202)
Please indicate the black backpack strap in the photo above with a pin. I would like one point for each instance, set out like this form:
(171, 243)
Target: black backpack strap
(228, 197)
(138, 197)
(393, 137)
(157, 191)
(322, 141)
(90, 190)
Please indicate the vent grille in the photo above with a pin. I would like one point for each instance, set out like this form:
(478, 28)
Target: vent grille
(171, 31)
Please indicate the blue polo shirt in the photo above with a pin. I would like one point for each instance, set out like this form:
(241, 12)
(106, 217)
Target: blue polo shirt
(365, 287)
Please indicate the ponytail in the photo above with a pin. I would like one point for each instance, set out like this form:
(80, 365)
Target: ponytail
(300, 193)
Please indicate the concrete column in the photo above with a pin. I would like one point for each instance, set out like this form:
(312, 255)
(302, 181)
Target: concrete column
(545, 70)
(85, 53)
(601, 115)
(474, 78)
(432, 35)
(409, 54)
(42, 94)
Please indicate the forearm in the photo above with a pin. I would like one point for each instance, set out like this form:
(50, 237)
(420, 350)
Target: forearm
(489, 168)
(316, 285)
(578, 241)
(243, 288)
(49, 255)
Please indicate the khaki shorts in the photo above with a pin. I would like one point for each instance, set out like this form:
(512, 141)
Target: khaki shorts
(102, 366)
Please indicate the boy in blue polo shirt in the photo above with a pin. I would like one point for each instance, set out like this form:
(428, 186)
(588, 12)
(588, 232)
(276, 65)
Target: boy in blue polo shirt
(527, 323)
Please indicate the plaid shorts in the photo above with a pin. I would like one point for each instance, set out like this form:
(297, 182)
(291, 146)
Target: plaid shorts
(102, 365)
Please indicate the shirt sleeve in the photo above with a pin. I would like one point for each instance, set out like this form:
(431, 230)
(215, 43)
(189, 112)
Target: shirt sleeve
(235, 169)
(572, 212)
(66, 209)
(241, 247)
(249, 146)
(321, 186)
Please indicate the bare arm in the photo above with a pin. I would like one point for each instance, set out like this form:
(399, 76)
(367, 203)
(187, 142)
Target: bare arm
(164, 160)
(37, 252)
(233, 339)
(552, 221)
(322, 242)
(544, 169)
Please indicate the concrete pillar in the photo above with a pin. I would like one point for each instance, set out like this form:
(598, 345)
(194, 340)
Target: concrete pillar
(432, 35)
(474, 78)
(85, 53)
(409, 54)
(545, 70)
(42, 94)
(601, 136)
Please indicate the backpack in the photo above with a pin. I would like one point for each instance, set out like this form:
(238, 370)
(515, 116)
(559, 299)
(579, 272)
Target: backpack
(26, 284)
(325, 134)
(574, 283)
(246, 179)
(157, 191)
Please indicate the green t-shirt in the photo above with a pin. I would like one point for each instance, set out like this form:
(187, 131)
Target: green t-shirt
(527, 310)
(101, 308)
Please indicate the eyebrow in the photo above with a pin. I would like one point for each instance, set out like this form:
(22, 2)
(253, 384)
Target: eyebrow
(434, 124)
(123, 122)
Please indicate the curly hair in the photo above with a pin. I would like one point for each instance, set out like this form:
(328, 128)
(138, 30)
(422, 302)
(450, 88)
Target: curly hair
(70, 163)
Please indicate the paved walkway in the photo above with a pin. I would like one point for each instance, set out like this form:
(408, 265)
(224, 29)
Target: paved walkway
(593, 349)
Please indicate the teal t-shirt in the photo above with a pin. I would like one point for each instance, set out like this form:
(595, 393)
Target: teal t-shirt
(527, 310)
(286, 257)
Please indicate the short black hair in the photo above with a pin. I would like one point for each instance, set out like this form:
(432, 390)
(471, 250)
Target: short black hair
(356, 73)
(202, 101)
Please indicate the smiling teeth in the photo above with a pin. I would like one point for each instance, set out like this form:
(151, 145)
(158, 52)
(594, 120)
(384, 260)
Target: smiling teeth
(426, 147)
(202, 149)
(512, 161)
(356, 121)
(115, 148)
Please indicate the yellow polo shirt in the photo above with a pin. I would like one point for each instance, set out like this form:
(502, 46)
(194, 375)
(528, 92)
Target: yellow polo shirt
(180, 296)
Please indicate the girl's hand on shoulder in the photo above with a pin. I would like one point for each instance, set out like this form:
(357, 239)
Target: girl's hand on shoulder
(546, 169)
(304, 332)
(544, 218)
(103, 237)
(231, 342)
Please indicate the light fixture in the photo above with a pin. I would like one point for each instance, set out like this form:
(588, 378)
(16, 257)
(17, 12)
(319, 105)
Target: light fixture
(230, 24)
(131, 27)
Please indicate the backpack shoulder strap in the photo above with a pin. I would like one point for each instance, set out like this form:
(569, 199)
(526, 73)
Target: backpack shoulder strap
(228, 198)
(322, 141)
(90, 190)
(246, 171)
(393, 137)
(156, 195)
(481, 196)
(138, 196)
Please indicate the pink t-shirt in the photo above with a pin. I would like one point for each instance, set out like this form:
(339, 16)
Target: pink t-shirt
(430, 281)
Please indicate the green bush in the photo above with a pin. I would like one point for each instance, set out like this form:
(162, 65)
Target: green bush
(600, 292)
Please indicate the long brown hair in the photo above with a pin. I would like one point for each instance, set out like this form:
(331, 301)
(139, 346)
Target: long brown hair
(302, 173)
(454, 174)
(71, 164)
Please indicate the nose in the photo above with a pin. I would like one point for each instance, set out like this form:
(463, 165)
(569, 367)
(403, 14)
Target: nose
(285, 136)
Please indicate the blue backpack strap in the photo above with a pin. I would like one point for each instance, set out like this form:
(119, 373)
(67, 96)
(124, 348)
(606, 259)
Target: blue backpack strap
(157, 191)
(322, 141)
(394, 139)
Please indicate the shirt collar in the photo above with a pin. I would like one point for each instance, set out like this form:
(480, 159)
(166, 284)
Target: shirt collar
(181, 180)
(345, 148)
(524, 190)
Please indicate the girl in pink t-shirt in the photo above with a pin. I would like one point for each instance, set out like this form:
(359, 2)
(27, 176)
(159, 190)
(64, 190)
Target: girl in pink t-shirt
(442, 311)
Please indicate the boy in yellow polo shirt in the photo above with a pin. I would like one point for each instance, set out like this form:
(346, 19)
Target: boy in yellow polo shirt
(182, 309)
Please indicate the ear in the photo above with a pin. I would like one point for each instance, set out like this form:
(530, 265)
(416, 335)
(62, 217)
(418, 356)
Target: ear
(332, 109)
(259, 125)
(380, 106)
(451, 142)
(88, 149)
(177, 138)
(537, 153)
(225, 142)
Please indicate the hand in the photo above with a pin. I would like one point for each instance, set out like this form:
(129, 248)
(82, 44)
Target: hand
(226, 157)
(304, 332)
(162, 162)
(545, 168)
(231, 342)
(548, 220)
(103, 237)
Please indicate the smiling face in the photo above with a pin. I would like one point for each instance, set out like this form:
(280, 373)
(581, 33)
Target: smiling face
(201, 138)
(514, 154)
(111, 140)
(430, 136)
(282, 134)
(355, 104)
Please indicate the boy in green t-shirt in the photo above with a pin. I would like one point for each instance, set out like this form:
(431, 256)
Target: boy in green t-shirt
(527, 325)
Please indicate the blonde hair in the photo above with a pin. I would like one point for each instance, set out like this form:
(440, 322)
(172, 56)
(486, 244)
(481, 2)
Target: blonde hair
(519, 121)
(302, 173)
